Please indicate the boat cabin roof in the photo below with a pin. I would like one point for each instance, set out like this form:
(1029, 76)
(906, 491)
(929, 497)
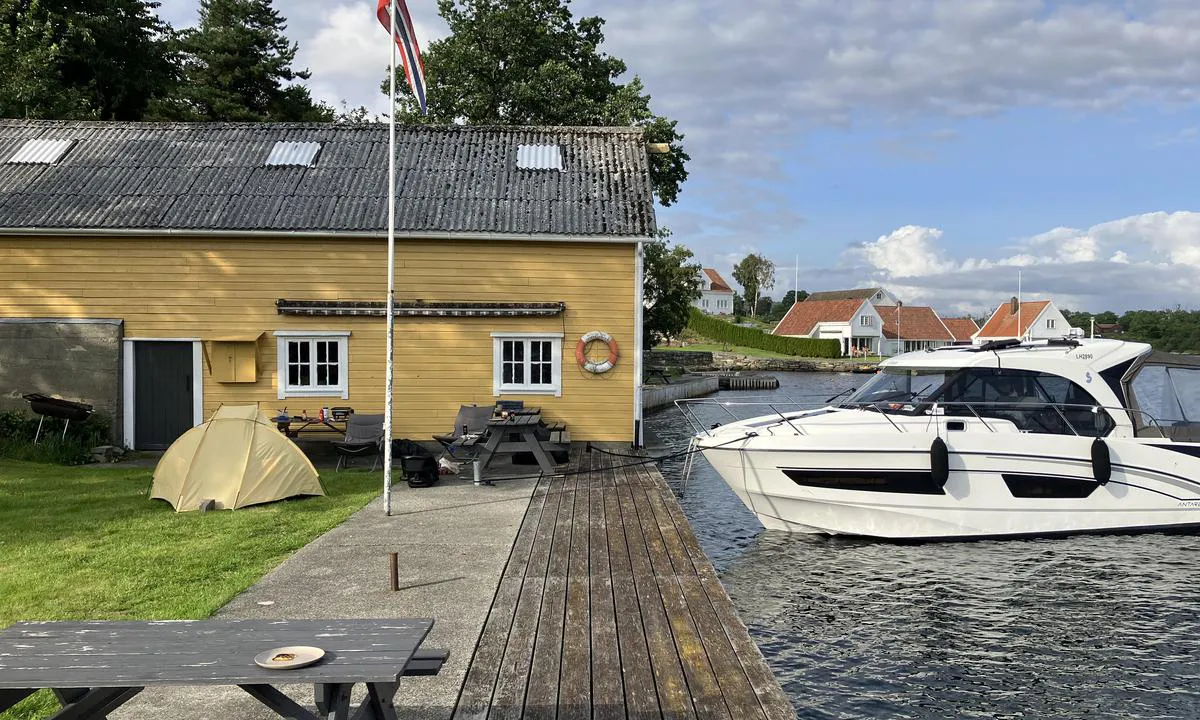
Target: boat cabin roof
(1063, 357)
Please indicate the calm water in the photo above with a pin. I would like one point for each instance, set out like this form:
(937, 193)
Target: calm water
(1086, 627)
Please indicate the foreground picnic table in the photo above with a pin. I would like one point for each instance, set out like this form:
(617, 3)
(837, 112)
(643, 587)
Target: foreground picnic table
(95, 667)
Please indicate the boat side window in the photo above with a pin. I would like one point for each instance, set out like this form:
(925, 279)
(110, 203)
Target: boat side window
(1171, 396)
(1033, 401)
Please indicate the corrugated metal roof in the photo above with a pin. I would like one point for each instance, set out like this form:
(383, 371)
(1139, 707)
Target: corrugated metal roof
(294, 153)
(212, 177)
(539, 157)
(41, 151)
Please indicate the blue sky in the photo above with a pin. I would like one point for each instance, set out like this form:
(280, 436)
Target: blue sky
(932, 146)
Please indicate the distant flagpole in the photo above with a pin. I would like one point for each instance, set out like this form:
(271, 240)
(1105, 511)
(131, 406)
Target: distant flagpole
(391, 269)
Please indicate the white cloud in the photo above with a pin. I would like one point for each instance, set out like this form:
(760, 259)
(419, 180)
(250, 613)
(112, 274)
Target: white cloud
(906, 252)
(1150, 257)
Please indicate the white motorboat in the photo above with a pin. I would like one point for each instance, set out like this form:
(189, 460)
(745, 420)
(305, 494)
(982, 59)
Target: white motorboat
(1006, 439)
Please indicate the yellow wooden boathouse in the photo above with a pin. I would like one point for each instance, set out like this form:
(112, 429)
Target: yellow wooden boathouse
(160, 270)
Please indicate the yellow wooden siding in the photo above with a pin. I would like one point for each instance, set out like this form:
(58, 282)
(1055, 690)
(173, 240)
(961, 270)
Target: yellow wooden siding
(214, 288)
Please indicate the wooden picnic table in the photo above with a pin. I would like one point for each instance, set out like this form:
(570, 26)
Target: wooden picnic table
(526, 425)
(95, 667)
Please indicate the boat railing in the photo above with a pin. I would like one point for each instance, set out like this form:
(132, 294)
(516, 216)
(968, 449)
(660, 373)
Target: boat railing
(791, 411)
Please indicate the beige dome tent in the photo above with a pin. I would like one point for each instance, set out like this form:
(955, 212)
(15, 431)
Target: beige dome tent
(237, 458)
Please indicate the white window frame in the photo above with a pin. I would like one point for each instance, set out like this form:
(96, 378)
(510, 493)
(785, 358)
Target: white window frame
(556, 361)
(342, 389)
(1049, 323)
(866, 321)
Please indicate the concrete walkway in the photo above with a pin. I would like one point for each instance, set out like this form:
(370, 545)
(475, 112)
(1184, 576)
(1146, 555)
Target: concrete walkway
(453, 540)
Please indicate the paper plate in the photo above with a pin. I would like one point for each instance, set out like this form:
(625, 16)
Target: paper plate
(288, 658)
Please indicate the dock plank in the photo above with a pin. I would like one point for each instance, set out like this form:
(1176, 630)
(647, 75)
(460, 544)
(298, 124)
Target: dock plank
(608, 692)
(641, 695)
(674, 698)
(575, 685)
(476, 695)
(736, 688)
(608, 609)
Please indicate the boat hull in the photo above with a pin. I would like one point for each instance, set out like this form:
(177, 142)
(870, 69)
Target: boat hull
(1026, 485)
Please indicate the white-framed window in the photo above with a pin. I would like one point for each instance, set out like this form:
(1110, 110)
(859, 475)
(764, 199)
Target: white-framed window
(1050, 323)
(527, 363)
(866, 320)
(312, 363)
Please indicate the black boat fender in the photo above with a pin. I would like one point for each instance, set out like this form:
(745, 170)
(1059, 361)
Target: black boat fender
(1101, 462)
(939, 462)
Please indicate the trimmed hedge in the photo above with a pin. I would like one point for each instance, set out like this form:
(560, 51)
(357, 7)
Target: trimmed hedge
(725, 332)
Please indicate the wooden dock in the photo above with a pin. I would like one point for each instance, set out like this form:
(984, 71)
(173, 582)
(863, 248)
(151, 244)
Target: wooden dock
(609, 609)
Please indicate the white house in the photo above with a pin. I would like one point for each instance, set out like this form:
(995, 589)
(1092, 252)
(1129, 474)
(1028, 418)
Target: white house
(1039, 320)
(854, 322)
(716, 297)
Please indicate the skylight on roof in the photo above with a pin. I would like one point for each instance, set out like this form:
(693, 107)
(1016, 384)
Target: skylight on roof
(303, 154)
(41, 151)
(539, 157)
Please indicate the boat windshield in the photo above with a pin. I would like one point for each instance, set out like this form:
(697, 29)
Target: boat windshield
(899, 386)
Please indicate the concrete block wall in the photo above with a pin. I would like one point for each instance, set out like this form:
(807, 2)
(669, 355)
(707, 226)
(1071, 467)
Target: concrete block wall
(75, 359)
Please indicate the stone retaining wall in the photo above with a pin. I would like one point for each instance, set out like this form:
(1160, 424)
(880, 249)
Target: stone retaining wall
(656, 396)
(73, 359)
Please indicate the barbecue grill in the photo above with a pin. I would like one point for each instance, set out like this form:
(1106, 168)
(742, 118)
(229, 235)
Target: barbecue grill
(45, 406)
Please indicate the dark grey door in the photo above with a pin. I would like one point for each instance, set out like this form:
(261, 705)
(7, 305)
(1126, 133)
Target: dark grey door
(162, 393)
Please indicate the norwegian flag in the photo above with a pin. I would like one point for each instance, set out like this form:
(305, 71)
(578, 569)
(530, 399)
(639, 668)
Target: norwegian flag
(406, 41)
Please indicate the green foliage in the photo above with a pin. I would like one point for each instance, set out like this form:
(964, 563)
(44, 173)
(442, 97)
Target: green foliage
(724, 332)
(754, 273)
(671, 282)
(1176, 330)
(779, 309)
(237, 66)
(17, 432)
(528, 62)
(100, 59)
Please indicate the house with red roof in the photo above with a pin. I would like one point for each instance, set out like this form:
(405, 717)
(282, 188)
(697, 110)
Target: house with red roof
(908, 328)
(877, 295)
(854, 322)
(963, 329)
(1029, 320)
(716, 297)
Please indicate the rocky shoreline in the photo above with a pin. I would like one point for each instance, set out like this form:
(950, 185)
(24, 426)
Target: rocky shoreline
(707, 362)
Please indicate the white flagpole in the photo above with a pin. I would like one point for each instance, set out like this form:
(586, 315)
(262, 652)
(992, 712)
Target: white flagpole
(1020, 335)
(391, 274)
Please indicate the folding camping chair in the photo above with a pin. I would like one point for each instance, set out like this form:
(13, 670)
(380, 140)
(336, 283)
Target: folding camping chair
(364, 435)
(470, 424)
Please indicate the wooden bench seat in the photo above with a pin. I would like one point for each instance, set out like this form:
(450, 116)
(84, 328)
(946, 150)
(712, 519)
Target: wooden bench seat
(426, 662)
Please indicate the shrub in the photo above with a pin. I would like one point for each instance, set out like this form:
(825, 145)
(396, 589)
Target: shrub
(724, 332)
(17, 432)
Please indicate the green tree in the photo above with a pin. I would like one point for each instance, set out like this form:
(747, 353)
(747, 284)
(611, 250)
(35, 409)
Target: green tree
(671, 282)
(90, 59)
(237, 66)
(764, 305)
(528, 62)
(739, 306)
(754, 273)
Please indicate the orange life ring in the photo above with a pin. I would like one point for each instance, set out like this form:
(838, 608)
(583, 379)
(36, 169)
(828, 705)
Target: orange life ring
(597, 367)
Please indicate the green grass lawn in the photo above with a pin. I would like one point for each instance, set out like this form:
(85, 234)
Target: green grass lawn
(747, 351)
(87, 543)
